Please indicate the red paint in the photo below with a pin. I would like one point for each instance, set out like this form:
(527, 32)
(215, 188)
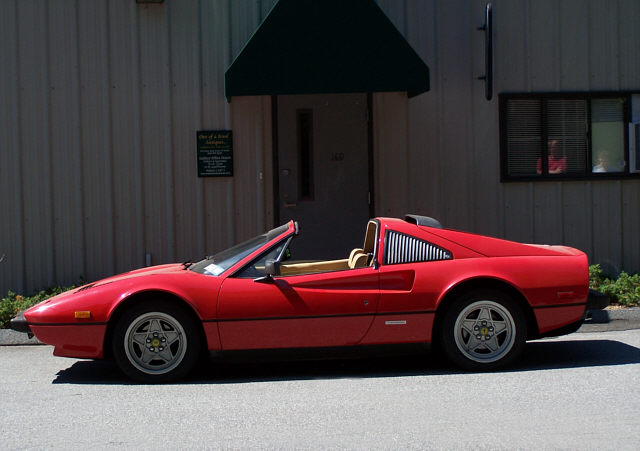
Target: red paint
(553, 318)
(417, 329)
(328, 309)
(397, 279)
(83, 342)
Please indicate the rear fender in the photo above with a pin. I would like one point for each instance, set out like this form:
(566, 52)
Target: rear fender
(456, 289)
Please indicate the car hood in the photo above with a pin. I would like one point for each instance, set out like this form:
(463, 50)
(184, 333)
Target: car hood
(153, 270)
(100, 297)
(495, 247)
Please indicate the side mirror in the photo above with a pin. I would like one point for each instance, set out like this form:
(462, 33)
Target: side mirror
(271, 269)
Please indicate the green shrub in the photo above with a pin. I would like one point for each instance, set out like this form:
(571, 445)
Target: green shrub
(13, 303)
(596, 277)
(625, 290)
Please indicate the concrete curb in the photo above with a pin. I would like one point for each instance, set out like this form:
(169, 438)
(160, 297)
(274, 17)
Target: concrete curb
(597, 321)
(609, 320)
(629, 314)
(10, 337)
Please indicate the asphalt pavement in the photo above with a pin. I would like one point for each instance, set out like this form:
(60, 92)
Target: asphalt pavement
(573, 392)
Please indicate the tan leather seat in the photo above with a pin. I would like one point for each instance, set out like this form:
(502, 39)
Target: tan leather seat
(355, 257)
(354, 253)
(360, 261)
(293, 269)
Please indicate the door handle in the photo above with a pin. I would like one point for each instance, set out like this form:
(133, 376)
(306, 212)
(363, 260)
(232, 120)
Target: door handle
(288, 205)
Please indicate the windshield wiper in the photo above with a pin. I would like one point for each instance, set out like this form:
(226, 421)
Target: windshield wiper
(187, 264)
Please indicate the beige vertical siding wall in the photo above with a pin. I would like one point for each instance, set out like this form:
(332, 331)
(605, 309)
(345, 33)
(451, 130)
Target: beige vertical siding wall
(100, 101)
(99, 104)
(452, 137)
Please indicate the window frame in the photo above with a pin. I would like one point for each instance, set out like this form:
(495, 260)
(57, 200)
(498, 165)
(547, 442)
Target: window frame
(286, 241)
(304, 153)
(588, 174)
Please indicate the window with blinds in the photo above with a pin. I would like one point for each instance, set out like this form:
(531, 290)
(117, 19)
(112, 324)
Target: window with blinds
(524, 136)
(607, 135)
(567, 139)
(563, 136)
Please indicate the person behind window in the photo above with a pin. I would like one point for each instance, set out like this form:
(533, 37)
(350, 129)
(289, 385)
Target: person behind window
(605, 163)
(602, 161)
(557, 161)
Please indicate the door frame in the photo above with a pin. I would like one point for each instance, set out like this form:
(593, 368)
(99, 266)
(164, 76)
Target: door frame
(275, 160)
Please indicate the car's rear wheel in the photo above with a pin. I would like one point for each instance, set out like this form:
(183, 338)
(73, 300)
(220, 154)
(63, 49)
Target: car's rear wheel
(483, 330)
(156, 342)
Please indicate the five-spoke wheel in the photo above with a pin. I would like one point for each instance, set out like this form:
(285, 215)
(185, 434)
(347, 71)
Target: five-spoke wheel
(156, 342)
(483, 330)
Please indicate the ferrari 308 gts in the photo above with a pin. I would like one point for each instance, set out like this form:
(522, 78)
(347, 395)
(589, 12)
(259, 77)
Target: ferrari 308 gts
(477, 298)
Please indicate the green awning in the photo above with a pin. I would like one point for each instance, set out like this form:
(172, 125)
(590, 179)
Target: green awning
(326, 46)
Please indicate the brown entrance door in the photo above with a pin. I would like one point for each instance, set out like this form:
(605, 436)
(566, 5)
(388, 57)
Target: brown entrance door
(323, 172)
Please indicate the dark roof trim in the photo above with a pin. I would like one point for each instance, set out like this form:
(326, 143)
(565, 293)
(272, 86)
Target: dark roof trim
(326, 46)
(423, 221)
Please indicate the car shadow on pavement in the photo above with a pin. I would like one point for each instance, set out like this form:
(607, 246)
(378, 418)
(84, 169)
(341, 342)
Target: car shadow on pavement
(542, 355)
(274, 366)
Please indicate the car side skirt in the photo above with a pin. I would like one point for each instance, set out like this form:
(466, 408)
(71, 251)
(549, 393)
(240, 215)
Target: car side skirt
(383, 328)
(410, 327)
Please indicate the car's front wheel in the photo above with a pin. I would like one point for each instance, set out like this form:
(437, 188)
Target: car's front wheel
(156, 342)
(483, 330)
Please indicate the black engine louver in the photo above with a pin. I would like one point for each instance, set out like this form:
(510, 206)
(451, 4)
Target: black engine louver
(401, 248)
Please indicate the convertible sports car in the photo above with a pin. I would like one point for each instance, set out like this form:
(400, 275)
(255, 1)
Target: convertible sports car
(478, 298)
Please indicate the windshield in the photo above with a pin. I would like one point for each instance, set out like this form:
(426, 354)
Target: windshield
(217, 264)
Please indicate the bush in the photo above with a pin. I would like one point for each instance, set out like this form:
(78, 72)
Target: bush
(13, 303)
(596, 277)
(625, 290)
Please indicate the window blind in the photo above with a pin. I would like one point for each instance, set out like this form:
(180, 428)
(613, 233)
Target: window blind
(524, 135)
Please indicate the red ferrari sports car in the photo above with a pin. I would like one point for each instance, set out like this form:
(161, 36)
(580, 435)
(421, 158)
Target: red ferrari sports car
(478, 298)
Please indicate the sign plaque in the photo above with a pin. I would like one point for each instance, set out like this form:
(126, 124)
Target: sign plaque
(215, 153)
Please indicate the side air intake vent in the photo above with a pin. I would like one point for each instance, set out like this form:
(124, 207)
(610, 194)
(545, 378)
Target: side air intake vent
(402, 248)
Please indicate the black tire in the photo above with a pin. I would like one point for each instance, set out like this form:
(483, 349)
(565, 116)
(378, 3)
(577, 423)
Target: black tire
(156, 341)
(483, 330)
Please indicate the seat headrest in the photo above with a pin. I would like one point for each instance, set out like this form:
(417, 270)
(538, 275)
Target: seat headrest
(360, 261)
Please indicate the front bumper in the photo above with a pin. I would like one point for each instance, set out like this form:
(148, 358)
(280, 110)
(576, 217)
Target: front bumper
(597, 300)
(19, 324)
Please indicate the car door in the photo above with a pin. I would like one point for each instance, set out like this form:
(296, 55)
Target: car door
(326, 309)
(412, 272)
